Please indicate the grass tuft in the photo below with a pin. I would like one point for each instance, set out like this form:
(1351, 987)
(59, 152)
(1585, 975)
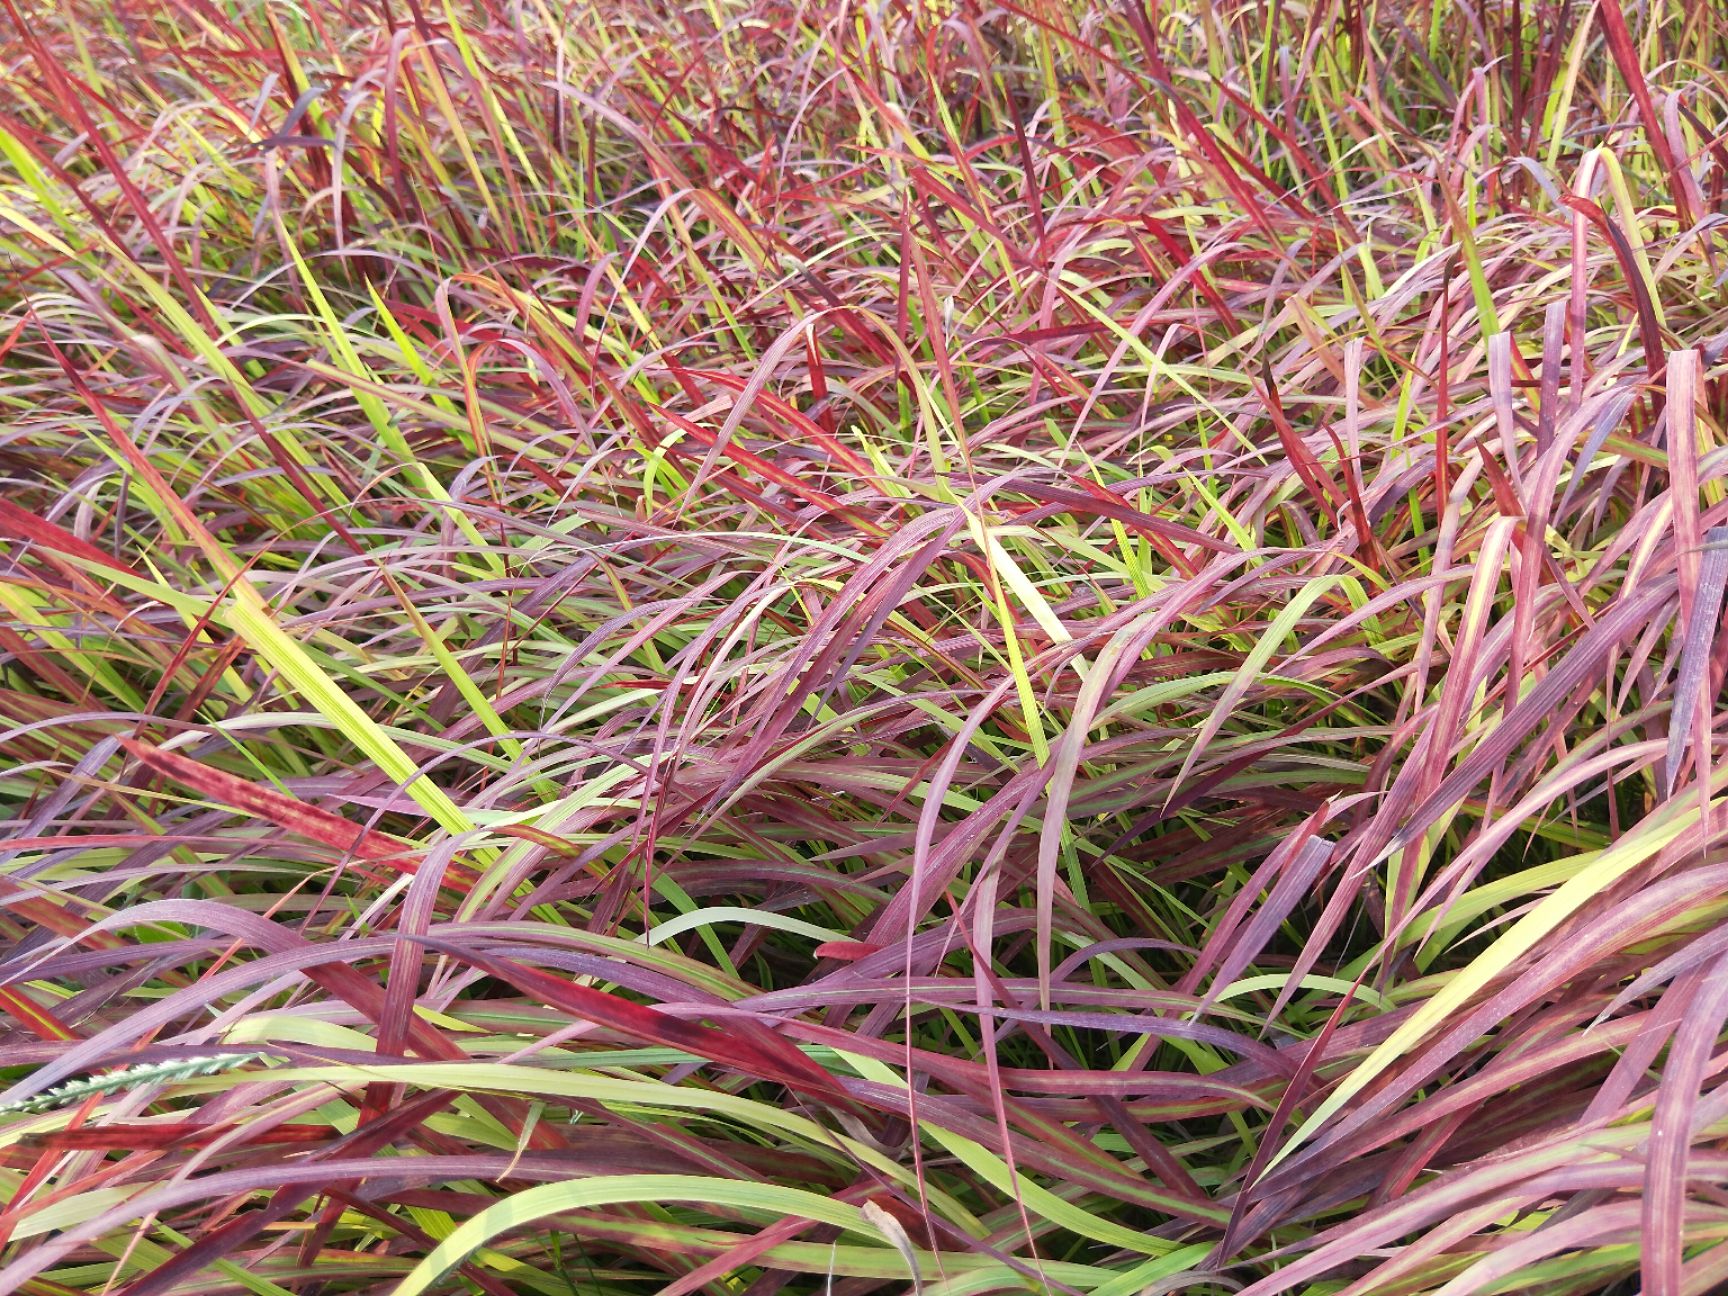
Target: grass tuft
(746, 647)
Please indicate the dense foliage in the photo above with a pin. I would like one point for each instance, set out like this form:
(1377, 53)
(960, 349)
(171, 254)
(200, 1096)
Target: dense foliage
(814, 645)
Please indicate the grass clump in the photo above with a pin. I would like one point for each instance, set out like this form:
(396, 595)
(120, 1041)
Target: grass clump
(751, 647)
